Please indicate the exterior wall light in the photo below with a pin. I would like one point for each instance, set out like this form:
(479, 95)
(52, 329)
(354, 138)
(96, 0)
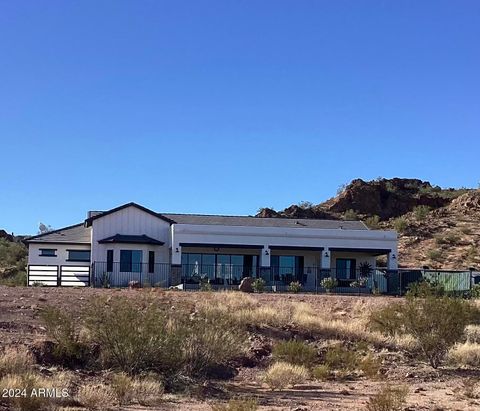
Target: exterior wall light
(394, 257)
(266, 252)
(176, 250)
(326, 255)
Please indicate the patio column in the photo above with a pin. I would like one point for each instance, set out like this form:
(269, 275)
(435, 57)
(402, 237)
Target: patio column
(325, 258)
(392, 260)
(176, 255)
(265, 256)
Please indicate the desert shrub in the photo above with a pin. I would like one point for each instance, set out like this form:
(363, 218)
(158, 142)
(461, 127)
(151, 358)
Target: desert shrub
(95, 396)
(258, 285)
(340, 358)
(237, 405)
(449, 238)
(142, 336)
(435, 255)
(282, 374)
(295, 352)
(15, 360)
(388, 399)
(370, 366)
(321, 372)
(328, 283)
(467, 354)
(470, 388)
(373, 222)
(61, 327)
(148, 391)
(133, 336)
(400, 224)
(435, 323)
(350, 215)
(122, 388)
(205, 285)
(472, 333)
(13, 263)
(475, 291)
(425, 288)
(295, 287)
(421, 212)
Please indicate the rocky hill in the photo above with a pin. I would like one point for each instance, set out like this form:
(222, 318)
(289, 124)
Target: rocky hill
(437, 227)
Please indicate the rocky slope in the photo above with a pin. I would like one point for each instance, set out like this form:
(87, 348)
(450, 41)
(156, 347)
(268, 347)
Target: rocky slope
(437, 227)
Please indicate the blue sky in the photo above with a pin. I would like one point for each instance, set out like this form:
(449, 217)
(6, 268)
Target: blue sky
(228, 106)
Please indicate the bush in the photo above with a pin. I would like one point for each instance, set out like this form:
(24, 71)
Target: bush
(421, 212)
(122, 388)
(258, 285)
(370, 366)
(373, 222)
(475, 291)
(322, 372)
(449, 239)
(61, 327)
(425, 288)
(435, 323)
(205, 285)
(467, 354)
(388, 399)
(295, 287)
(350, 215)
(148, 391)
(95, 396)
(400, 224)
(237, 405)
(328, 283)
(15, 360)
(340, 358)
(27, 381)
(435, 255)
(281, 375)
(295, 352)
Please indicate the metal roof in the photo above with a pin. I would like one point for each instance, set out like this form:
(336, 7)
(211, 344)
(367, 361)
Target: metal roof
(264, 222)
(75, 234)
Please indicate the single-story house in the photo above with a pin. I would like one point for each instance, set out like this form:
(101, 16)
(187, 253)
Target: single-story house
(134, 243)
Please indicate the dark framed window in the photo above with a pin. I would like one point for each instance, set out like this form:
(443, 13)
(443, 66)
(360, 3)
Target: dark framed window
(151, 261)
(109, 261)
(131, 261)
(78, 255)
(346, 268)
(48, 252)
(287, 268)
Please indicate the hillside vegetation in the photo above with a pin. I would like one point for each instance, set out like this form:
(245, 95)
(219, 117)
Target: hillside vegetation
(437, 227)
(13, 260)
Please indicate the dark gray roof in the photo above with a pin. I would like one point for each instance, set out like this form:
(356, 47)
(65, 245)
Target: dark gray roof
(75, 234)
(264, 222)
(131, 239)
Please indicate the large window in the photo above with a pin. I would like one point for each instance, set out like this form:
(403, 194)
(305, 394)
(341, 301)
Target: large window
(131, 261)
(79, 255)
(109, 261)
(218, 267)
(287, 268)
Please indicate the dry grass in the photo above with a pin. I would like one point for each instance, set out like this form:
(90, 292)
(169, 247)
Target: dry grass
(96, 396)
(472, 332)
(388, 399)
(122, 386)
(466, 354)
(236, 405)
(282, 374)
(148, 391)
(15, 360)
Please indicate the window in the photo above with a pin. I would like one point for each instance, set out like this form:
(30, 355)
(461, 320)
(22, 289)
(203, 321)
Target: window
(287, 268)
(151, 261)
(109, 261)
(131, 261)
(78, 255)
(48, 252)
(346, 268)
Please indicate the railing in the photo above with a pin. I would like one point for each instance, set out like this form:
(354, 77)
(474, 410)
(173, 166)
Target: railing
(227, 276)
(119, 274)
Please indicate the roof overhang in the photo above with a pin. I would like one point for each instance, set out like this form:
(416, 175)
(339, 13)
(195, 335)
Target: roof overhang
(209, 245)
(373, 251)
(294, 247)
(130, 239)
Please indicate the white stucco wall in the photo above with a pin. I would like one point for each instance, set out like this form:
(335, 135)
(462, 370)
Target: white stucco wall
(274, 236)
(130, 221)
(61, 258)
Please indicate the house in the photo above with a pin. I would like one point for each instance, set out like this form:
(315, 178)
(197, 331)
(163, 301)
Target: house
(134, 243)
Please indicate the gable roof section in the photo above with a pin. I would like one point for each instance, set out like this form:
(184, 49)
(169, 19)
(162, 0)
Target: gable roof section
(264, 222)
(74, 234)
(131, 239)
(88, 221)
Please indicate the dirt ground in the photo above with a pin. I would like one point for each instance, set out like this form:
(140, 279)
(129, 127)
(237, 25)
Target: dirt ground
(428, 389)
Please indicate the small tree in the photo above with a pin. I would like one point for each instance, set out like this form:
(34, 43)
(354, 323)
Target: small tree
(421, 212)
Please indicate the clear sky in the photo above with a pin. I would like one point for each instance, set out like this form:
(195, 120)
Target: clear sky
(227, 106)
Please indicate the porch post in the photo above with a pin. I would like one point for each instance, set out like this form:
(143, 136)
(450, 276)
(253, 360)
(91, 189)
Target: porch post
(392, 260)
(176, 255)
(265, 257)
(326, 259)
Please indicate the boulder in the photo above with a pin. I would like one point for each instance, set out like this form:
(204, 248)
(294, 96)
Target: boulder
(246, 285)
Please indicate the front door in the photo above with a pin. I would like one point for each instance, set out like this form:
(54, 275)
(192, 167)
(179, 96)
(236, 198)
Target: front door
(345, 268)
